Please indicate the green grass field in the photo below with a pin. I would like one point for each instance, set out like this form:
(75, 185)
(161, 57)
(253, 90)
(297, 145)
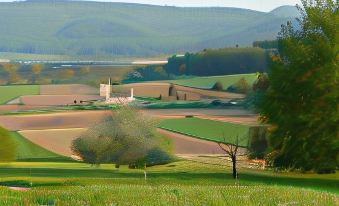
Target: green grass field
(178, 183)
(8, 93)
(28, 151)
(208, 82)
(208, 129)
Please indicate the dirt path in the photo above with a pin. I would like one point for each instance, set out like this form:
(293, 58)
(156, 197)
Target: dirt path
(246, 120)
(199, 112)
(19, 189)
(79, 119)
(232, 116)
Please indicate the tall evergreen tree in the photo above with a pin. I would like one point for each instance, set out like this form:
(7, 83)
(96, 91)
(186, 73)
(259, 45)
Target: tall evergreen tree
(301, 102)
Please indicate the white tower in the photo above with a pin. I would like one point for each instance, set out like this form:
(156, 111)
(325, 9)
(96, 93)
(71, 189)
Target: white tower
(108, 90)
(132, 94)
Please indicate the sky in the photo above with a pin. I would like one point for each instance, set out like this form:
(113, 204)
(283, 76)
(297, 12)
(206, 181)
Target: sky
(259, 5)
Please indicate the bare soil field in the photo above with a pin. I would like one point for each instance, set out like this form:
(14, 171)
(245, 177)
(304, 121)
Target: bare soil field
(67, 89)
(56, 100)
(62, 120)
(184, 145)
(56, 140)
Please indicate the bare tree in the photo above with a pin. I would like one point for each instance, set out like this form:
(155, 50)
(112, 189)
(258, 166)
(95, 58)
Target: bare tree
(233, 151)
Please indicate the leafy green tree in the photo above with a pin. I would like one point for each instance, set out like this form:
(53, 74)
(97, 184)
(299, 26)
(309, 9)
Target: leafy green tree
(267, 44)
(67, 73)
(7, 146)
(242, 86)
(301, 102)
(85, 71)
(36, 71)
(11, 70)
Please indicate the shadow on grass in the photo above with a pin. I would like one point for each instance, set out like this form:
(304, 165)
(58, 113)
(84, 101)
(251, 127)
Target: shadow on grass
(27, 184)
(217, 178)
(49, 159)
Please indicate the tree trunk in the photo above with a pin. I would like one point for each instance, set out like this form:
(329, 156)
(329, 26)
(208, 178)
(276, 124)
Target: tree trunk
(234, 164)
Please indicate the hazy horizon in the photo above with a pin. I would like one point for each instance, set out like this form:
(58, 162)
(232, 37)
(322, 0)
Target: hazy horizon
(263, 5)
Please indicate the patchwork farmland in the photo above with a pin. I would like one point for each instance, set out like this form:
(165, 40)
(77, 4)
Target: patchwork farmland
(47, 121)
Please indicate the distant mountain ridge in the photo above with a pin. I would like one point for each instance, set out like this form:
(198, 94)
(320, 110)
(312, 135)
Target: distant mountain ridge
(120, 29)
(286, 11)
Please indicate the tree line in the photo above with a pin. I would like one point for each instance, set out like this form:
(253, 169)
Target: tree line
(224, 61)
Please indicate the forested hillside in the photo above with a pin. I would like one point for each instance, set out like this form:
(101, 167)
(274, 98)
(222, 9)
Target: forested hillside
(118, 29)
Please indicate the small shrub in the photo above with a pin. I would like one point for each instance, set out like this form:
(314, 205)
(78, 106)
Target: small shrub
(241, 86)
(216, 102)
(218, 86)
(258, 142)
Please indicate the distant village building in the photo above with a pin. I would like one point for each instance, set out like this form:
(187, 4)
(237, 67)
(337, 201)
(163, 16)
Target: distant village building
(106, 91)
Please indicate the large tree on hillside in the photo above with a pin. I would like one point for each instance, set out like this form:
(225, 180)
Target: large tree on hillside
(123, 138)
(301, 102)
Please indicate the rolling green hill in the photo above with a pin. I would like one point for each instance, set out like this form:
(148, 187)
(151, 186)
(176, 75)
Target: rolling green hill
(117, 29)
(8, 93)
(208, 82)
(208, 129)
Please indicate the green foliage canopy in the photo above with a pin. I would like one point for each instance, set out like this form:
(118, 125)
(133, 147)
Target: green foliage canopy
(301, 102)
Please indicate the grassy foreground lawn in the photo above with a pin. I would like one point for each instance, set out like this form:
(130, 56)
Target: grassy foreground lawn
(178, 183)
(8, 93)
(208, 129)
(208, 82)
